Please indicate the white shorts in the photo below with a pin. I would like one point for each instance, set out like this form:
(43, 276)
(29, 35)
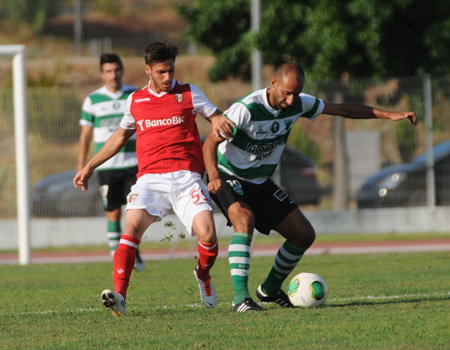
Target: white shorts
(183, 191)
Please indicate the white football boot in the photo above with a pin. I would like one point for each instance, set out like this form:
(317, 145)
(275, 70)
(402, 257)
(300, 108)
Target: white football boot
(114, 302)
(207, 291)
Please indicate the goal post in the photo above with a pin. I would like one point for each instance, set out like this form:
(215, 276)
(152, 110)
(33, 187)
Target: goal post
(17, 52)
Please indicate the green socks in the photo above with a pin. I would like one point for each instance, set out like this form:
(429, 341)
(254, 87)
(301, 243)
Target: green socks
(286, 260)
(114, 234)
(239, 258)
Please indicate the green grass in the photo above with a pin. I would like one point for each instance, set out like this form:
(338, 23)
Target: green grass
(380, 301)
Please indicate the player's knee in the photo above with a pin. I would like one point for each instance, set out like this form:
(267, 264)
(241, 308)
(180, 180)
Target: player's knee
(206, 233)
(305, 238)
(207, 236)
(243, 223)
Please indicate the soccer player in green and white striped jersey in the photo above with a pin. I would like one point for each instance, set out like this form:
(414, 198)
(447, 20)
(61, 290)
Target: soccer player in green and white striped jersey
(101, 115)
(239, 171)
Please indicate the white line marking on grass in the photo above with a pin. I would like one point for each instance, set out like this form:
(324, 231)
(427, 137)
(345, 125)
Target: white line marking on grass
(198, 305)
(70, 311)
(391, 297)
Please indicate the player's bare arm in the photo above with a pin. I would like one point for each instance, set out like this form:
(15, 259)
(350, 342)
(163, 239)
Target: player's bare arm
(210, 158)
(357, 111)
(83, 145)
(221, 124)
(109, 149)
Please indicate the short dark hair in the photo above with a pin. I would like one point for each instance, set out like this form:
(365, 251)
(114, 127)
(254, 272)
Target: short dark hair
(110, 58)
(157, 52)
(287, 67)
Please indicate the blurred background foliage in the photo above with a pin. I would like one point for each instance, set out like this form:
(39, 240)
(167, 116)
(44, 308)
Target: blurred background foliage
(361, 51)
(328, 37)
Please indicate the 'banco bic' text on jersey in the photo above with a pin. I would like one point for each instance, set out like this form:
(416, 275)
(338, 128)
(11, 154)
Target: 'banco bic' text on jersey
(103, 110)
(261, 133)
(167, 135)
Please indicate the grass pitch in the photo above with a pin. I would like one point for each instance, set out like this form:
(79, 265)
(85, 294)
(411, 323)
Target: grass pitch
(379, 301)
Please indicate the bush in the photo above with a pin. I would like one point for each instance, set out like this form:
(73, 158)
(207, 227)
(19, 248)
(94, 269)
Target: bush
(407, 140)
(54, 113)
(34, 14)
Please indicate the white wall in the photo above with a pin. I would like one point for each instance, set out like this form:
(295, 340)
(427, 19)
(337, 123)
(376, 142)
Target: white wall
(92, 231)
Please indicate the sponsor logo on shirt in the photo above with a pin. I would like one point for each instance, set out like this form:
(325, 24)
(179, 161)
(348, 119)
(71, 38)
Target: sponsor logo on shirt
(149, 123)
(263, 150)
(142, 99)
(261, 131)
(275, 127)
(110, 122)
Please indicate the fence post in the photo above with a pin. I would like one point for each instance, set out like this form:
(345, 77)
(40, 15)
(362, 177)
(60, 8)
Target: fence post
(431, 188)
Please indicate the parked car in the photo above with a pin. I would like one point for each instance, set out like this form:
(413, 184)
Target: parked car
(298, 177)
(406, 184)
(55, 196)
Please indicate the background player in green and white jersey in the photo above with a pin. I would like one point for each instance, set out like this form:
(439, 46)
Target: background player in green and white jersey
(239, 171)
(101, 114)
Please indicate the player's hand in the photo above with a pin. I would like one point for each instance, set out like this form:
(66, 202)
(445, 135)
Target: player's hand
(412, 118)
(82, 177)
(222, 126)
(404, 115)
(215, 186)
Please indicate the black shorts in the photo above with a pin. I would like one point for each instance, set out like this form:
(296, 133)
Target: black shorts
(115, 186)
(269, 203)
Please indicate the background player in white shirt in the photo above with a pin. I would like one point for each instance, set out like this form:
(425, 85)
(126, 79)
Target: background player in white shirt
(239, 171)
(170, 160)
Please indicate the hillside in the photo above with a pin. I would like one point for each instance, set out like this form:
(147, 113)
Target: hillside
(129, 24)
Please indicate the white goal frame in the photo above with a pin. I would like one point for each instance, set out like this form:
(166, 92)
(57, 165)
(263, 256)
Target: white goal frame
(17, 52)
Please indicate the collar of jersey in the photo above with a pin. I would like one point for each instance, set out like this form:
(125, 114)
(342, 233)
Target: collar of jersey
(174, 82)
(274, 111)
(113, 95)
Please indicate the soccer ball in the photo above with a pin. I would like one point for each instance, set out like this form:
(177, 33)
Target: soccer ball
(308, 290)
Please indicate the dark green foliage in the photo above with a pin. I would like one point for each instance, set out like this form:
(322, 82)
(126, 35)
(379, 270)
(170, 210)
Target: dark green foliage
(407, 140)
(328, 37)
(298, 138)
(221, 26)
(34, 14)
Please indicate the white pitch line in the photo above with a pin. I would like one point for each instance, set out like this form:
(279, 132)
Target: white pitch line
(390, 297)
(404, 297)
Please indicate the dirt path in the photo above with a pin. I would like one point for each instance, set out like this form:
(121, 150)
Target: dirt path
(257, 250)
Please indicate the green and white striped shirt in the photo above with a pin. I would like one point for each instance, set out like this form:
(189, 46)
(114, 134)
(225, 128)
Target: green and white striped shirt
(103, 110)
(261, 134)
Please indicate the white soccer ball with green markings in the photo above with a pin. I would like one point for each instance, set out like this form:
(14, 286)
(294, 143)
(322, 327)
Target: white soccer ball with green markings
(308, 290)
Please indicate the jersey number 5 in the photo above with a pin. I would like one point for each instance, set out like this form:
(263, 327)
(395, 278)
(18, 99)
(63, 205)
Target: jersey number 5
(196, 195)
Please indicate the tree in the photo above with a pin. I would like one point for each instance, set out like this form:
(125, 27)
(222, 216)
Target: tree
(34, 14)
(328, 37)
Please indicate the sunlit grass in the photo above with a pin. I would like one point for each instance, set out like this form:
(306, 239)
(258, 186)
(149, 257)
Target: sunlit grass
(376, 301)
